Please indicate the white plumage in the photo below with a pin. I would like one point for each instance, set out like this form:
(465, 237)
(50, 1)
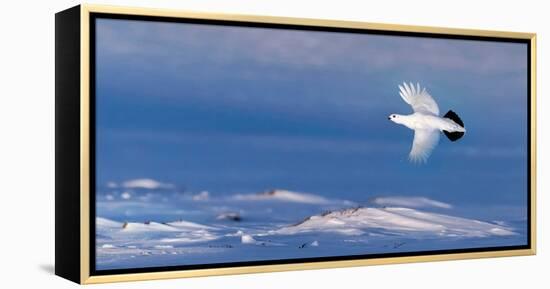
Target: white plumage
(426, 122)
(420, 100)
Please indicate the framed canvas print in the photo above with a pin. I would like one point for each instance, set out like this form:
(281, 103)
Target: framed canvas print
(193, 144)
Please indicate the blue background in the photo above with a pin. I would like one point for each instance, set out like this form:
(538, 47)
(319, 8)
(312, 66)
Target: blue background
(241, 110)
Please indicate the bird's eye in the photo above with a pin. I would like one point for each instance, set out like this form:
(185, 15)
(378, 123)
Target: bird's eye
(393, 116)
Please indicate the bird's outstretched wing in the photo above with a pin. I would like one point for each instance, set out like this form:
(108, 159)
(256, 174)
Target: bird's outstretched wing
(424, 142)
(419, 99)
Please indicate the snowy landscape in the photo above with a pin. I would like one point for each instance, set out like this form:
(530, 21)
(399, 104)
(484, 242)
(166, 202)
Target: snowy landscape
(150, 225)
(221, 144)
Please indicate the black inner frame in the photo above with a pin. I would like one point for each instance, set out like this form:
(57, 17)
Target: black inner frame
(92, 48)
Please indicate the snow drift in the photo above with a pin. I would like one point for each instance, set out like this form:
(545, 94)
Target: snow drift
(172, 232)
(410, 202)
(395, 221)
(288, 196)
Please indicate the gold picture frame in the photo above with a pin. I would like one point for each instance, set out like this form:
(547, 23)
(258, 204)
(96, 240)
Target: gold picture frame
(73, 212)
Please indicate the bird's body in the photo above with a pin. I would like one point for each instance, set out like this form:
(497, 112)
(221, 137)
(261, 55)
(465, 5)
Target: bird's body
(420, 120)
(426, 122)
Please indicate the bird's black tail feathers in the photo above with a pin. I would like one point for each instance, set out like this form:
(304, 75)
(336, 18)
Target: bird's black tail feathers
(453, 136)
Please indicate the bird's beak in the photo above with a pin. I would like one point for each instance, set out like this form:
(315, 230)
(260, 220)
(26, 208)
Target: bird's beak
(389, 118)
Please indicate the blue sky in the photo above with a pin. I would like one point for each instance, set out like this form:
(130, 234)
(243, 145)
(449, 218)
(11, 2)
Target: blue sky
(234, 109)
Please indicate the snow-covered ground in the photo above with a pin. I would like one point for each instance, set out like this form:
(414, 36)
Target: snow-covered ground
(165, 228)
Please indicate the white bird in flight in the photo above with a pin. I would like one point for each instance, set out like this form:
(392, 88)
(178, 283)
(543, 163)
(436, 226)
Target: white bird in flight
(426, 122)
